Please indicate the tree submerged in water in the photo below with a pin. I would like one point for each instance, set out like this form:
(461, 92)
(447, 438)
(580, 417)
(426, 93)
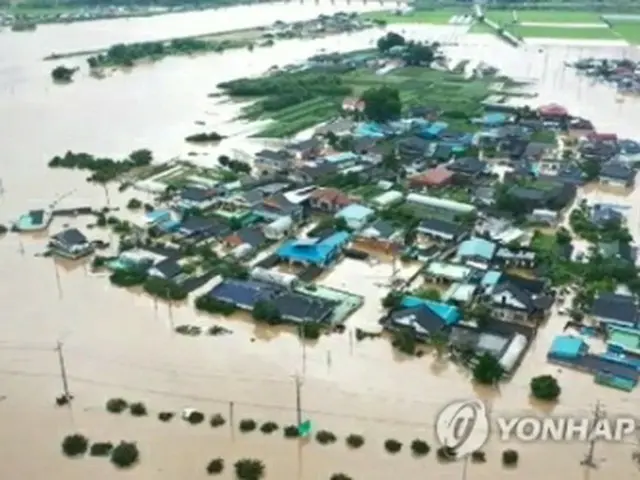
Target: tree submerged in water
(63, 74)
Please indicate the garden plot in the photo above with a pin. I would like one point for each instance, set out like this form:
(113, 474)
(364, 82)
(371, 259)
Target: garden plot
(626, 27)
(543, 16)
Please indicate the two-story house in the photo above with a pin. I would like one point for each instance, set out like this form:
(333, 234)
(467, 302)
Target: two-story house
(520, 300)
(273, 161)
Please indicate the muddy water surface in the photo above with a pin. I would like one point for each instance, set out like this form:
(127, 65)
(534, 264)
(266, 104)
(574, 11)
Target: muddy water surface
(118, 343)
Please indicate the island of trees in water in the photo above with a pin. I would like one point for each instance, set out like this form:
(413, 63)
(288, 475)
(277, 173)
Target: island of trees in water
(102, 169)
(126, 55)
(63, 74)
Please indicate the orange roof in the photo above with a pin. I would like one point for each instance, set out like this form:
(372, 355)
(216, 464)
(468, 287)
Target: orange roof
(331, 195)
(435, 176)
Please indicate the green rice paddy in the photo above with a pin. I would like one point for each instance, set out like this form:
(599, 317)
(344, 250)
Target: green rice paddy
(417, 86)
(589, 33)
(627, 30)
(435, 17)
(543, 16)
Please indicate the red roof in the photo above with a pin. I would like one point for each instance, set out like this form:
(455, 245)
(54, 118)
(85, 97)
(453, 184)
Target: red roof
(433, 177)
(603, 137)
(553, 110)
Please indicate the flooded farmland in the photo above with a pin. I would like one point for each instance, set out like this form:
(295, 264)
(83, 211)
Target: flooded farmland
(119, 343)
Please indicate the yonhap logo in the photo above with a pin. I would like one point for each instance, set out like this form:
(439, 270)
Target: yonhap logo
(463, 426)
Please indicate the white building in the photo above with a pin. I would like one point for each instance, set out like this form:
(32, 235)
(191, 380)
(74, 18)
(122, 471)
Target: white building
(278, 228)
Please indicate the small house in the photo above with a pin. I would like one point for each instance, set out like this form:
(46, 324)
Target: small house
(253, 236)
(617, 174)
(197, 198)
(197, 228)
(467, 167)
(70, 243)
(379, 235)
(387, 199)
(440, 230)
(306, 149)
(356, 216)
(434, 177)
(477, 252)
(544, 217)
(167, 269)
(514, 302)
(615, 309)
(273, 161)
(353, 104)
(278, 228)
(314, 251)
(329, 199)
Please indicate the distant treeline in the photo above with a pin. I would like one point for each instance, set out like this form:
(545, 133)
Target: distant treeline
(617, 6)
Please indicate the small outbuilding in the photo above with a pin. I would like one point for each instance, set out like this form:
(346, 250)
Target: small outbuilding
(356, 216)
(278, 228)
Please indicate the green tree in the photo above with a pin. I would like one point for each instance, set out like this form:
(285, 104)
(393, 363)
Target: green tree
(563, 236)
(419, 54)
(265, 311)
(390, 40)
(392, 300)
(488, 370)
(440, 342)
(545, 387)
(341, 224)
(405, 341)
(249, 469)
(125, 454)
(382, 104)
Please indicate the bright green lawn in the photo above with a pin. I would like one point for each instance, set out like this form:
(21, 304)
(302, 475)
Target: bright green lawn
(589, 33)
(562, 32)
(437, 17)
(543, 16)
(629, 31)
(35, 11)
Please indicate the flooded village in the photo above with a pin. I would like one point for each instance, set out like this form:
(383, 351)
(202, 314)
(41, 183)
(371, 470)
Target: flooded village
(292, 283)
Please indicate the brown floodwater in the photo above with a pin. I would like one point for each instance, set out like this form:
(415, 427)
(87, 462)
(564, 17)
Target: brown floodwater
(120, 343)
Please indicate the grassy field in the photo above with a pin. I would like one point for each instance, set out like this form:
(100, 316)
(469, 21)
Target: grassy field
(627, 30)
(543, 16)
(418, 87)
(561, 32)
(435, 17)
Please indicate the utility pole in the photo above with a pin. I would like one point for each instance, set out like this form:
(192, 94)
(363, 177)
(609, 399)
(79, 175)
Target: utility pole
(231, 423)
(63, 371)
(58, 282)
(598, 413)
(303, 346)
(169, 307)
(298, 400)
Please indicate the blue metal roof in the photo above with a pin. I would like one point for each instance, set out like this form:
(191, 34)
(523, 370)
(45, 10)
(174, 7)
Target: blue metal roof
(317, 253)
(448, 313)
(477, 247)
(245, 293)
(567, 346)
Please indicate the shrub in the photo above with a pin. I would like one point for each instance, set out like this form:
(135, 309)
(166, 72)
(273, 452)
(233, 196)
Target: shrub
(325, 437)
(215, 466)
(545, 387)
(478, 456)
(340, 476)
(291, 431)
(125, 454)
(392, 446)
(138, 409)
(268, 427)
(194, 417)
(166, 416)
(446, 454)
(101, 449)
(134, 204)
(510, 458)
(249, 469)
(310, 330)
(217, 420)
(355, 441)
(75, 445)
(420, 447)
(247, 425)
(116, 405)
